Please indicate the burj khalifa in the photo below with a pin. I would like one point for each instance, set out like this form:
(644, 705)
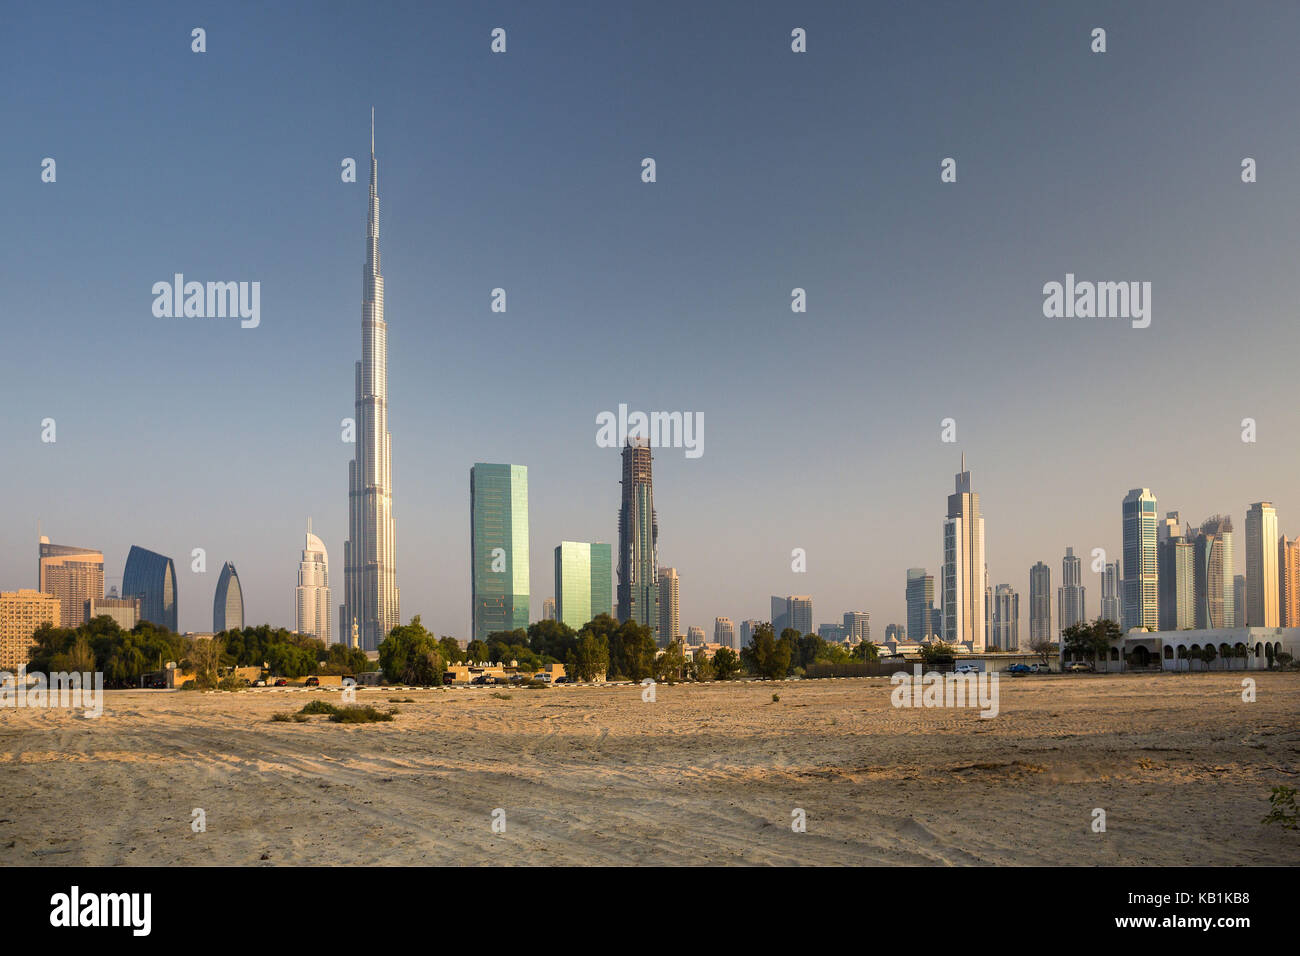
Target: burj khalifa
(371, 596)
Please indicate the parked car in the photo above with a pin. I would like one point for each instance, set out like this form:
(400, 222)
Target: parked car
(1040, 669)
(563, 680)
(542, 676)
(259, 682)
(482, 679)
(966, 669)
(1018, 669)
(281, 682)
(313, 681)
(1079, 666)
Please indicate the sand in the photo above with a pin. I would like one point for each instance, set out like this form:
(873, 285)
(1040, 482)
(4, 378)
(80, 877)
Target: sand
(707, 774)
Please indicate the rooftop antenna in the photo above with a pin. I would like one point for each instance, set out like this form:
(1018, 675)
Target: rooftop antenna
(372, 131)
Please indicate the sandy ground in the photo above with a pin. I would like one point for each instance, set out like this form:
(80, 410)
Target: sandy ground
(704, 775)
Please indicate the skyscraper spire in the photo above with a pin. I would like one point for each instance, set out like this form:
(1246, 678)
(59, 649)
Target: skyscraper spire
(371, 595)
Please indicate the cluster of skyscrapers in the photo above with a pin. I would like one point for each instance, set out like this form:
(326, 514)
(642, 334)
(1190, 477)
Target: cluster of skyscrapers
(70, 592)
(584, 570)
(1168, 577)
(1178, 578)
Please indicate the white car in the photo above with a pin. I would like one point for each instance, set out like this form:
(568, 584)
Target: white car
(967, 669)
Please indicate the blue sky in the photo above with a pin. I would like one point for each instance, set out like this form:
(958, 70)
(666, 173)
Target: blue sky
(522, 171)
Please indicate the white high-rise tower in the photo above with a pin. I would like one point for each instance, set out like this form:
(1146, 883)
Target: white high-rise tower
(963, 567)
(1262, 588)
(312, 595)
(371, 597)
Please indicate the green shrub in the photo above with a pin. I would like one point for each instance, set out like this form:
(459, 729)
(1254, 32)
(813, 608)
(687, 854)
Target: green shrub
(319, 707)
(1282, 809)
(359, 715)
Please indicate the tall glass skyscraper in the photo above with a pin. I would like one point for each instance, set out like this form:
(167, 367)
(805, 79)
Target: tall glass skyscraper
(1215, 593)
(963, 591)
(1177, 585)
(1072, 597)
(1141, 571)
(780, 614)
(1288, 561)
(1005, 630)
(801, 613)
(1040, 604)
(498, 497)
(670, 622)
(583, 581)
(1112, 601)
(152, 578)
(638, 539)
(372, 601)
(920, 603)
(228, 602)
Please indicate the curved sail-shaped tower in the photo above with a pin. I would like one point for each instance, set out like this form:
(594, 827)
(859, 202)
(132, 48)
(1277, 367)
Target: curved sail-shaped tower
(152, 578)
(228, 602)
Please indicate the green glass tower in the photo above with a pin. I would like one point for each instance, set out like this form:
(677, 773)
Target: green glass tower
(583, 581)
(498, 548)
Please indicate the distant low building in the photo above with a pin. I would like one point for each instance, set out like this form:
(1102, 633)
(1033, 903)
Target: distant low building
(124, 611)
(22, 613)
(857, 626)
(832, 633)
(466, 673)
(1235, 648)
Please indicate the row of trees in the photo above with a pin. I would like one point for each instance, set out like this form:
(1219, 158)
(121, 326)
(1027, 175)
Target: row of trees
(411, 654)
(619, 650)
(125, 656)
(773, 658)
(606, 647)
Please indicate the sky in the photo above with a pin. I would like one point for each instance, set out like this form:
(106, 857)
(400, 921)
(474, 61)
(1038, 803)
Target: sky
(522, 171)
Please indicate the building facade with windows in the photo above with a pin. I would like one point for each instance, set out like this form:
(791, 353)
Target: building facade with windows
(499, 580)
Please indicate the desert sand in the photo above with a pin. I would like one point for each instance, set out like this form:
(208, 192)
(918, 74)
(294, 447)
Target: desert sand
(706, 774)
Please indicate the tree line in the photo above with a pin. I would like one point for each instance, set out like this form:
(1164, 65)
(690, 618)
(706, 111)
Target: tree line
(125, 656)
